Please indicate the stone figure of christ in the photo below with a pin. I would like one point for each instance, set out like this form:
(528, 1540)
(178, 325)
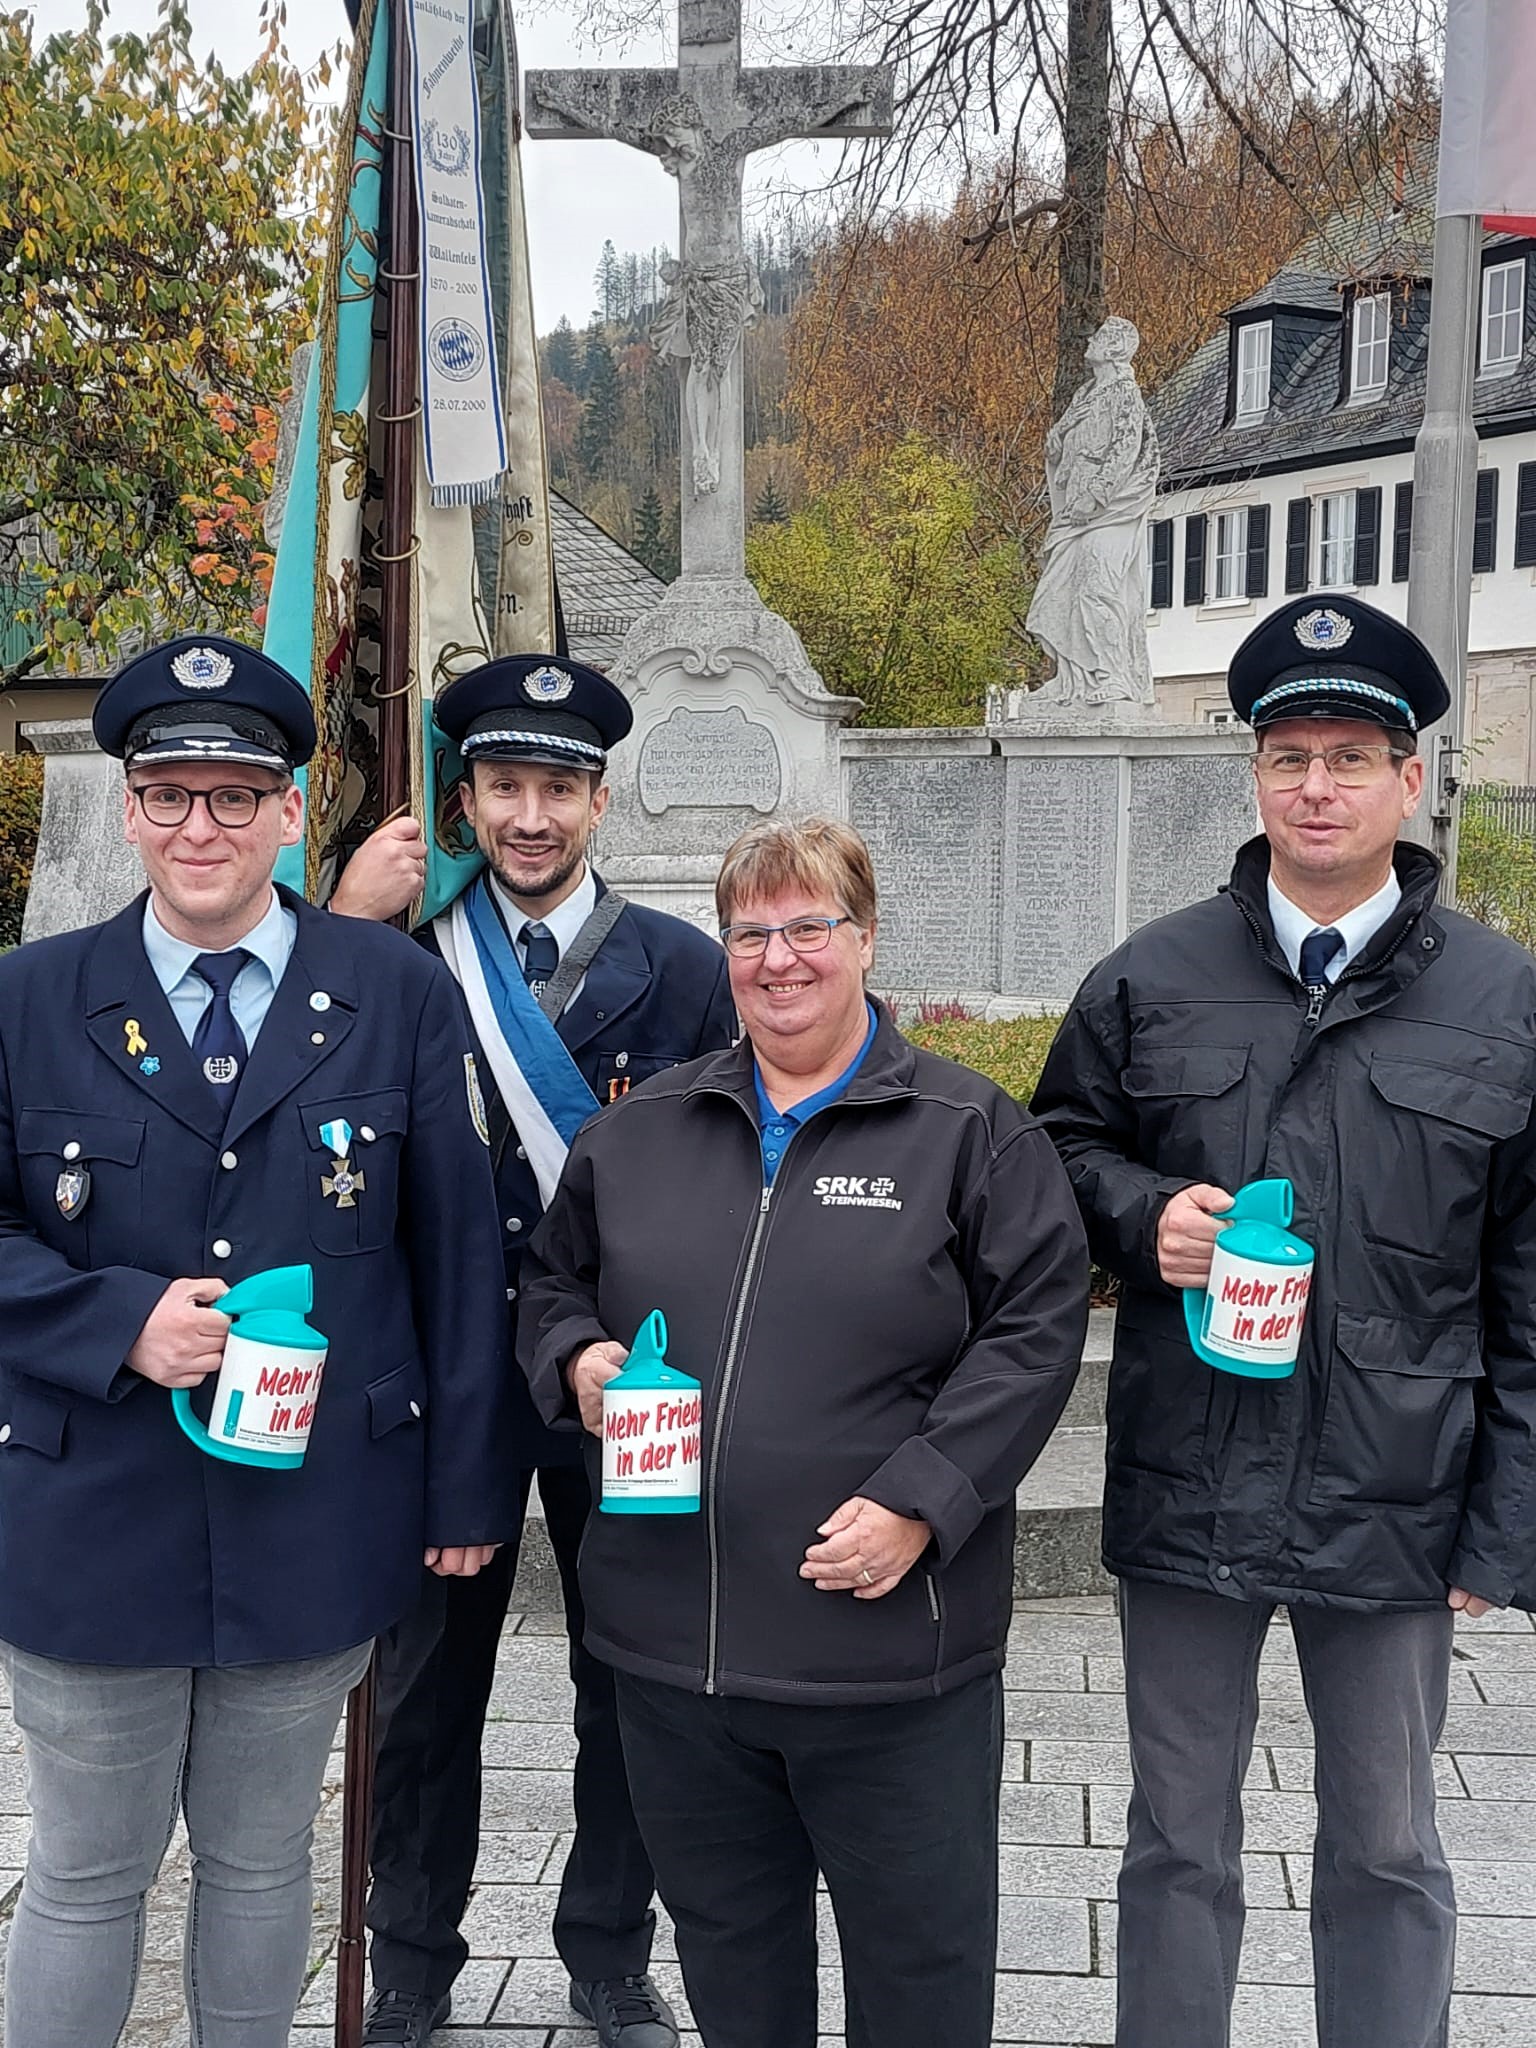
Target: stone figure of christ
(713, 293)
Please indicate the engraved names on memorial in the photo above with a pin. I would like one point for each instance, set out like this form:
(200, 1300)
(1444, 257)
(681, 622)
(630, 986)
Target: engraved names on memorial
(934, 827)
(1188, 816)
(1060, 833)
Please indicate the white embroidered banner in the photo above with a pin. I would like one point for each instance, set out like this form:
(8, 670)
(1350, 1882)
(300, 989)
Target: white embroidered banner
(465, 435)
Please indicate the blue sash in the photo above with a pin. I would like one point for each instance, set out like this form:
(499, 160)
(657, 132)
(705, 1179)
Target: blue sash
(536, 1047)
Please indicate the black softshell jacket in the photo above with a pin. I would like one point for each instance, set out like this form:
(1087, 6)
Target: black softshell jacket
(901, 1318)
(1401, 1457)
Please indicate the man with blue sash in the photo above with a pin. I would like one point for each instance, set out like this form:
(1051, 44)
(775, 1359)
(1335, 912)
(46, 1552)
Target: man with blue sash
(574, 995)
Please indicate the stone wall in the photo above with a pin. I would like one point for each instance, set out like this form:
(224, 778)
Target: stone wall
(1010, 861)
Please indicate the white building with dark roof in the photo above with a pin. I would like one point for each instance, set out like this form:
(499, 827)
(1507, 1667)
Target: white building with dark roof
(1287, 445)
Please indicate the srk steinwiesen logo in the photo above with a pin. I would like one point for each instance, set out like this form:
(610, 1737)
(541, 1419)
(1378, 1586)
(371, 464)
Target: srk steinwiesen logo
(856, 1191)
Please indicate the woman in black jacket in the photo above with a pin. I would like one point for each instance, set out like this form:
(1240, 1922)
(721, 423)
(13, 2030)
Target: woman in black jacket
(872, 1261)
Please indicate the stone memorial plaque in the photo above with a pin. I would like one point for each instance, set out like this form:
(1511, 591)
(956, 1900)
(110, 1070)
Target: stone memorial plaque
(1062, 820)
(934, 828)
(710, 760)
(1188, 816)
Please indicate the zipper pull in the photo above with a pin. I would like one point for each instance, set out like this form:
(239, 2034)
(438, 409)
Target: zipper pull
(762, 1207)
(1317, 993)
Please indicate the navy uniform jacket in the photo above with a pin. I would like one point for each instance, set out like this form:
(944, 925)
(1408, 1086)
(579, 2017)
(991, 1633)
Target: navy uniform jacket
(120, 1541)
(657, 994)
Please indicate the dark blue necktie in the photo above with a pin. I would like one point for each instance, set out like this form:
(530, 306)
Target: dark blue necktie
(541, 956)
(1317, 949)
(218, 1044)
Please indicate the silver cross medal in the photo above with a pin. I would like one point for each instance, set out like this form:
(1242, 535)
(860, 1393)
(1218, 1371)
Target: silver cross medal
(343, 1184)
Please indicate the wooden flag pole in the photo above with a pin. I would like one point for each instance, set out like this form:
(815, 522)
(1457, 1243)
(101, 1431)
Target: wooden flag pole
(397, 692)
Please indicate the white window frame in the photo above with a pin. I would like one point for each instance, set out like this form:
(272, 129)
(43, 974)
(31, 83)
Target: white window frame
(1370, 344)
(1501, 329)
(1255, 352)
(1336, 540)
(1229, 556)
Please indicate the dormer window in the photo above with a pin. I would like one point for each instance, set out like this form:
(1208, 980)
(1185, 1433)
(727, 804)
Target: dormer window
(1503, 322)
(1369, 342)
(1253, 357)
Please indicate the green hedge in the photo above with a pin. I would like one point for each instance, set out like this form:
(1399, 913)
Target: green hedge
(1011, 1052)
(21, 810)
(1495, 871)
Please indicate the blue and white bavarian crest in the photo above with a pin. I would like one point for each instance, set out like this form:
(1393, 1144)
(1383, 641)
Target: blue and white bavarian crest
(548, 685)
(202, 668)
(1323, 629)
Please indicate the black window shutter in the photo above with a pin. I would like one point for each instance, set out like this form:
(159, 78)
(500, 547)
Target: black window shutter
(1298, 536)
(1162, 563)
(1485, 523)
(1194, 558)
(1368, 535)
(1257, 584)
(1525, 516)
(1402, 531)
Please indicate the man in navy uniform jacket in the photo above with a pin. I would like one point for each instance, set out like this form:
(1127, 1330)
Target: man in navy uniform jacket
(219, 1081)
(626, 992)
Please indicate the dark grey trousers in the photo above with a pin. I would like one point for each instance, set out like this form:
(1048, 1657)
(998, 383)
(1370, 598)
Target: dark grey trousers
(1383, 1911)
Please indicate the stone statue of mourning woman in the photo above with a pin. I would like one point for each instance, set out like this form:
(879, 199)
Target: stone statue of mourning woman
(1089, 606)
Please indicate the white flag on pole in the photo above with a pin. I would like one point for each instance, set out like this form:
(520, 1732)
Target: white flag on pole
(1487, 163)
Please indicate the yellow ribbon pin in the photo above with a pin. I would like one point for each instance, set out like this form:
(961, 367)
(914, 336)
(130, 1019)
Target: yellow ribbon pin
(136, 1041)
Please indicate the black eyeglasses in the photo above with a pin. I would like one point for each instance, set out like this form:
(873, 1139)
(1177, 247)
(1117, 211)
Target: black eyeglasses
(233, 807)
(801, 935)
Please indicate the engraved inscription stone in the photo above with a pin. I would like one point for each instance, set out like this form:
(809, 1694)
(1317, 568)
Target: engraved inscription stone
(1188, 816)
(709, 760)
(1061, 821)
(935, 830)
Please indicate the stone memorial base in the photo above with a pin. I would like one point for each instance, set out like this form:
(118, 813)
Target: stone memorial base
(1011, 860)
(732, 726)
(83, 870)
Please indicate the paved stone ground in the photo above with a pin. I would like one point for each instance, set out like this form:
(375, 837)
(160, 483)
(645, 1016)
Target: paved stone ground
(1063, 1816)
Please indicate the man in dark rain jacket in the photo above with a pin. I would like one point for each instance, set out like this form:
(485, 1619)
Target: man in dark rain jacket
(1324, 1021)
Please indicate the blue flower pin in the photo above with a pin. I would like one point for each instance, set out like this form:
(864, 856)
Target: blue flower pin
(149, 1066)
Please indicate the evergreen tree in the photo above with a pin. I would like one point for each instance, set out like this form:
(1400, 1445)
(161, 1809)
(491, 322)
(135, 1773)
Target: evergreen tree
(608, 284)
(562, 359)
(649, 542)
(600, 416)
(772, 507)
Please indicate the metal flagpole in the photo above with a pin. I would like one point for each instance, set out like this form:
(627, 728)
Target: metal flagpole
(1444, 488)
(397, 695)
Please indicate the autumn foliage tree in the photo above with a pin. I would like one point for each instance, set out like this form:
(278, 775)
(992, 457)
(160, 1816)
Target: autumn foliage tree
(900, 591)
(157, 229)
(930, 324)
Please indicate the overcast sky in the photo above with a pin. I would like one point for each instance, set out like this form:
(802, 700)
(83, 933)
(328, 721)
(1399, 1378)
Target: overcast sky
(579, 194)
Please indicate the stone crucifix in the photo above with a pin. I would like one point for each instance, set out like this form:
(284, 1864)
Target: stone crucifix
(703, 121)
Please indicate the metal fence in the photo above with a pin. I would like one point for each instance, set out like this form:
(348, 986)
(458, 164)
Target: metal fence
(1507, 805)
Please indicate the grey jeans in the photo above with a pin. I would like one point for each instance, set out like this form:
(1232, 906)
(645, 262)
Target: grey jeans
(112, 1755)
(1383, 1911)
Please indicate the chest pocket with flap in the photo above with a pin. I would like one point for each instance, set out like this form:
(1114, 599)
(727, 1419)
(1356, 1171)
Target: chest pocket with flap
(109, 1225)
(353, 1204)
(1188, 1105)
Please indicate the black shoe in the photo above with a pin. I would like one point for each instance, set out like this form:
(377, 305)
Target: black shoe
(403, 2019)
(628, 2012)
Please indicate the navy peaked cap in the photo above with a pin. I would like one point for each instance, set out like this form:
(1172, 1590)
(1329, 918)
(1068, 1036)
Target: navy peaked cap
(203, 698)
(1330, 656)
(534, 707)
